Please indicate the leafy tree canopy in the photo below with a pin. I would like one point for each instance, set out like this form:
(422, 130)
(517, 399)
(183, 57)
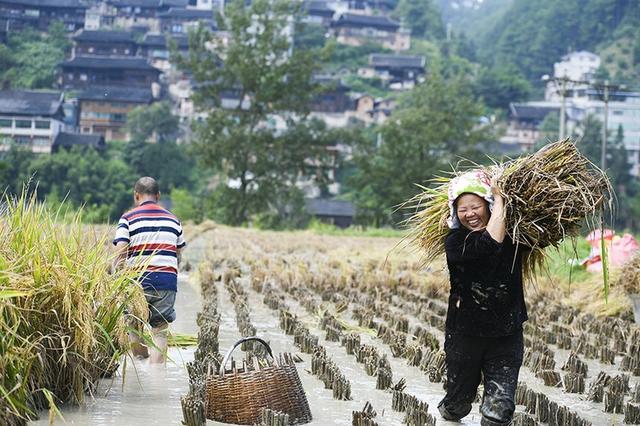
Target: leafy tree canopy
(145, 122)
(30, 58)
(434, 127)
(534, 35)
(422, 16)
(263, 145)
(500, 85)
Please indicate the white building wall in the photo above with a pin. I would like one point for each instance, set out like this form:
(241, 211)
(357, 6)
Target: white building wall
(577, 66)
(40, 140)
(625, 113)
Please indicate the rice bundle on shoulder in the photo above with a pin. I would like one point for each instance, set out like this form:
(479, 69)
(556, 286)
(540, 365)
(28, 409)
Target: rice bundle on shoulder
(548, 196)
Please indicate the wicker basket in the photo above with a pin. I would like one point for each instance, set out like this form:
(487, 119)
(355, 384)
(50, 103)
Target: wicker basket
(239, 395)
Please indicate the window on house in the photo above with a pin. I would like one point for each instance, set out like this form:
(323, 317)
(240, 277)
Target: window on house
(22, 140)
(91, 49)
(23, 124)
(6, 123)
(41, 141)
(70, 76)
(43, 124)
(618, 112)
(83, 77)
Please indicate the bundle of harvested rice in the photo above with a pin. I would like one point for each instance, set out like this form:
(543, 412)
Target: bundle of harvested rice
(629, 279)
(548, 196)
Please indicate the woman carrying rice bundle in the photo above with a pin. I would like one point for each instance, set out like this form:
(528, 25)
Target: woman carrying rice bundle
(483, 336)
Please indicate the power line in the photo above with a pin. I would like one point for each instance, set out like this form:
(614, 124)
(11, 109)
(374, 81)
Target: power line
(605, 88)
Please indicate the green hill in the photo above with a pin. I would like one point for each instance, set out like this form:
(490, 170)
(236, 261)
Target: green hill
(534, 34)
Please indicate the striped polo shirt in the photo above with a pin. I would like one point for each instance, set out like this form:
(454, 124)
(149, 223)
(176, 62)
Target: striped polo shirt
(153, 235)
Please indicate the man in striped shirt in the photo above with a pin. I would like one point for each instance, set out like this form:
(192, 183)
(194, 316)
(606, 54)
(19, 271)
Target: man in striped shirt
(149, 238)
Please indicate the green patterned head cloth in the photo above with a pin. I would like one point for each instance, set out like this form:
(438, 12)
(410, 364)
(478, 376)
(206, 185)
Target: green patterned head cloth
(475, 182)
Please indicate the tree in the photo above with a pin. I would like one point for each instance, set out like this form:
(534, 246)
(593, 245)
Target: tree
(155, 120)
(465, 47)
(535, 34)
(436, 126)
(81, 176)
(33, 57)
(549, 129)
(589, 136)
(422, 16)
(14, 166)
(169, 163)
(500, 85)
(57, 36)
(309, 36)
(7, 61)
(255, 158)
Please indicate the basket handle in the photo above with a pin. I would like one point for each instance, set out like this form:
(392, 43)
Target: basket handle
(238, 343)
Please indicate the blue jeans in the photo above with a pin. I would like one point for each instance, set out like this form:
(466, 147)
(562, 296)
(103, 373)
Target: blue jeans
(161, 306)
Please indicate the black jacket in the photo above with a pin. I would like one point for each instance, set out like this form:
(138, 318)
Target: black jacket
(486, 296)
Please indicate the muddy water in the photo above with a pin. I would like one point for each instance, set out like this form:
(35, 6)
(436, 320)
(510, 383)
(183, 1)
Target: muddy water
(149, 394)
(417, 383)
(144, 394)
(325, 409)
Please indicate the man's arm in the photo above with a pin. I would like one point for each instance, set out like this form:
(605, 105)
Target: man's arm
(121, 255)
(121, 243)
(180, 244)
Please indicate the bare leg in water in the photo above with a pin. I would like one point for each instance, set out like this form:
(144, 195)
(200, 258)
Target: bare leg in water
(138, 348)
(159, 349)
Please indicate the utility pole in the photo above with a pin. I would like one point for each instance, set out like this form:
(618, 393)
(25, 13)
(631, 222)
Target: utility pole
(561, 87)
(563, 108)
(605, 123)
(606, 88)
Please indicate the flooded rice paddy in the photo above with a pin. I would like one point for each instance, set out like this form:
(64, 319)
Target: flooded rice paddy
(335, 290)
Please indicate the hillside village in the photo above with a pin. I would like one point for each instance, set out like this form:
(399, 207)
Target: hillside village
(121, 58)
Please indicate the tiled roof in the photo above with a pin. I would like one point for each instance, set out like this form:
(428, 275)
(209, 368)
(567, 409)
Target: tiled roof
(396, 61)
(147, 4)
(77, 139)
(353, 19)
(117, 94)
(181, 13)
(330, 82)
(531, 112)
(328, 207)
(160, 41)
(107, 36)
(108, 63)
(318, 7)
(63, 4)
(31, 103)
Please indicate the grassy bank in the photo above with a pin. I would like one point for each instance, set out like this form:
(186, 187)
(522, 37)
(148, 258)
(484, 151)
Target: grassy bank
(62, 322)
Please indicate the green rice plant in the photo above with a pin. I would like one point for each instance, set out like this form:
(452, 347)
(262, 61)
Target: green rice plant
(62, 313)
(182, 340)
